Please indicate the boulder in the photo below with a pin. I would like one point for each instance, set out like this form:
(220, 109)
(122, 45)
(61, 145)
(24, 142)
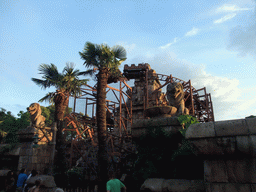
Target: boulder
(155, 185)
(47, 181)
(173, 185)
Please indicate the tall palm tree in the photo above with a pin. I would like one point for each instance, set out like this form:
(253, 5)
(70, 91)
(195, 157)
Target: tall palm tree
(106, 60)
(67, 84)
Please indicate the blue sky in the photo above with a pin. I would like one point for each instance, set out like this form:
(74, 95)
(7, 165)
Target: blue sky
(213, 43)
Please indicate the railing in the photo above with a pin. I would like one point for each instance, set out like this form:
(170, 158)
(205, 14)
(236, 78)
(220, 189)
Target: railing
(80, 189)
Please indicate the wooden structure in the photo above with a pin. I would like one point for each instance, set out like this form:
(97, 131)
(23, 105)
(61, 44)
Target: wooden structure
(119, 116)
(120, 107)
(198, 101)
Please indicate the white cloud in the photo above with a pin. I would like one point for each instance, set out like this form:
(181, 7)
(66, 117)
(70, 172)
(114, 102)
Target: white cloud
(221, 87)
(228, 98)
(192, 32)
(243, 39)
(128, 47)
(225, 18)
(169, 44)
(230, 8)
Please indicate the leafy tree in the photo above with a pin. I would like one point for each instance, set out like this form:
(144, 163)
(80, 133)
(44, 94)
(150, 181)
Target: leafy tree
(49, 111)
(106, 60)
(23, 119)
(9, 127)
(67, 84)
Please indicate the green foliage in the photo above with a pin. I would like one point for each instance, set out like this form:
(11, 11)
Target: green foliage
(187, 120)
(76, 176)
(2, 134)
(24, 119)
(102, 55)
(11, 125)
(153, 151)
(48, 113)
(185, 148)
(67, 82)
(161, 154)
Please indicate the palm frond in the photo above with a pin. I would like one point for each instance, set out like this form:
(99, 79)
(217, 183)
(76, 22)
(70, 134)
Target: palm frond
(48, 70)
(50, 74)
(69, 69)
(90, 72)
(90, 54)
(42, 83)
(103, 56)
(48, 97)
(119, 52)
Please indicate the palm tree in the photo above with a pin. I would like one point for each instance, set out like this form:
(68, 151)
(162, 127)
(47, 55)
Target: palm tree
(106, 60)
(67, 84)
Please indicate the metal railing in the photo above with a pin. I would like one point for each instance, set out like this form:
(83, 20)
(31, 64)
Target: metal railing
(80, 189)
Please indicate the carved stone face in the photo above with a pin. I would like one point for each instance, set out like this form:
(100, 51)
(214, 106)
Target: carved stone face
(174, 89)
(33, 108)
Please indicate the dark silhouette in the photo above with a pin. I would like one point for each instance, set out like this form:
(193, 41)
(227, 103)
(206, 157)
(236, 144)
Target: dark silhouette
(10, 182)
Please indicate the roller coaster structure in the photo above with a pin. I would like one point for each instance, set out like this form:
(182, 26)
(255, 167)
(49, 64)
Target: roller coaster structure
(120, 108)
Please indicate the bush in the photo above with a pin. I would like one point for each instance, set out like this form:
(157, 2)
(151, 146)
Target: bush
(165, 155)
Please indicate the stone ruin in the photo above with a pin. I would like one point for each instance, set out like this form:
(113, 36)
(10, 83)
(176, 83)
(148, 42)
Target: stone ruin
(139, 89)
(150, 105)
(146, 95)
(31, 155)
(227, 148)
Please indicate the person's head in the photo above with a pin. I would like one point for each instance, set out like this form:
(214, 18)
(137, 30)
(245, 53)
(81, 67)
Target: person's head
(38, 182)
(34, 172)
(111, 174)
(10, 174)
(59, 190)
(22, 170)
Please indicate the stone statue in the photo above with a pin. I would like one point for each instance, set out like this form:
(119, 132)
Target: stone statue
(37, 120)
(175, 96)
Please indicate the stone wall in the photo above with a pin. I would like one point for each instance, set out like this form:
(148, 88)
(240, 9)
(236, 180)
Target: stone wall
(33, 158)
(229, 152)
(175, 185)
(139, 91)
(169, 124)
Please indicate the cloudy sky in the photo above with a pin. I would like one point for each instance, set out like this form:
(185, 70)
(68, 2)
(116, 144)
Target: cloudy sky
(213, 43)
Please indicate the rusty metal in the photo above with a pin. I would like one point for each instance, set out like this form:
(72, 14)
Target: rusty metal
(120, 109)
(198, 103)
(117, 120)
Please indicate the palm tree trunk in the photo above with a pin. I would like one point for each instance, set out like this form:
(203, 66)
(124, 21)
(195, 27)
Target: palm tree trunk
(102, 128)
(60, 101)
(60, 107)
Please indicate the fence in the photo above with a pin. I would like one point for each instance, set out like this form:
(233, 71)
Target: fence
(80, 189)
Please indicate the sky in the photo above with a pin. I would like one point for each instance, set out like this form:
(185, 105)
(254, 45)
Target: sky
(211, 43)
